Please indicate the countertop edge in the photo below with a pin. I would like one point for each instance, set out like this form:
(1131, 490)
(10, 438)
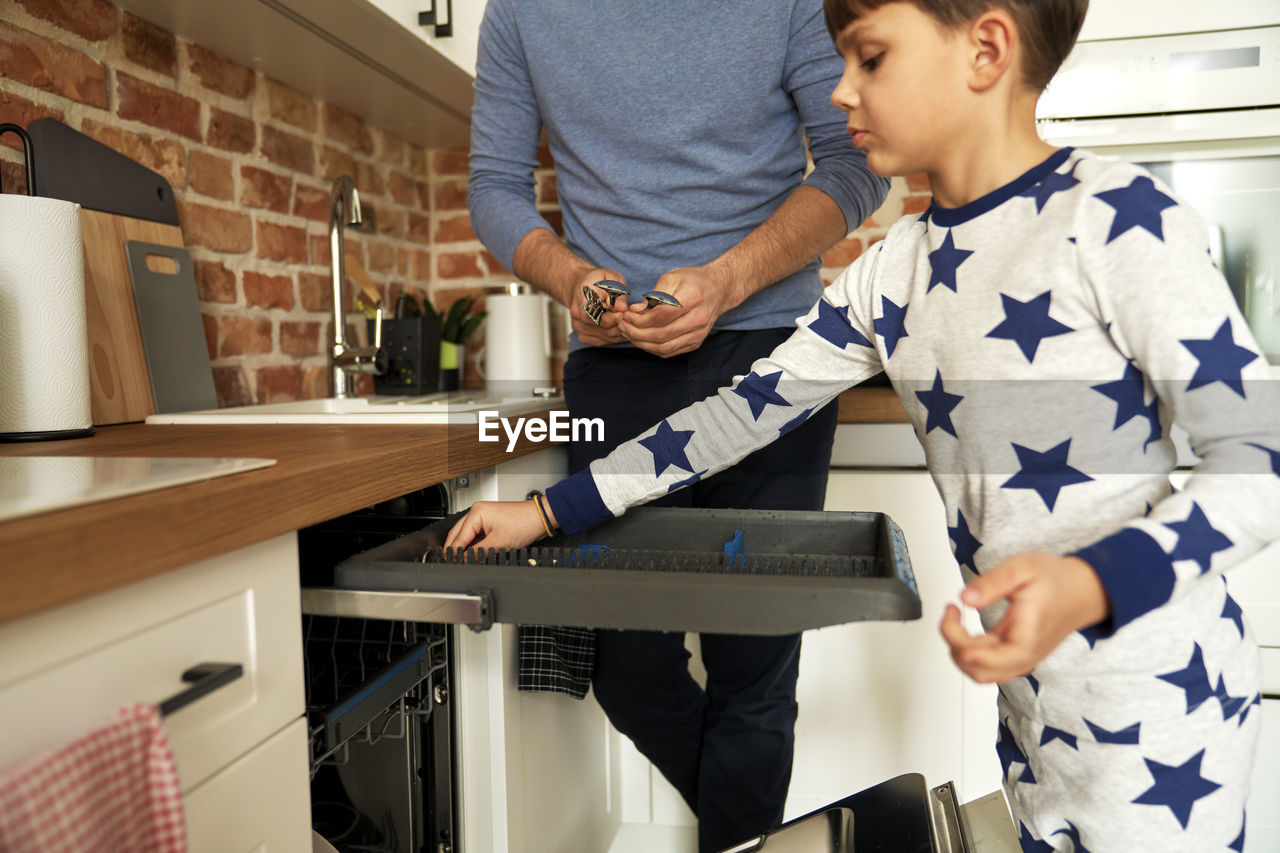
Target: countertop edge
(321, 472)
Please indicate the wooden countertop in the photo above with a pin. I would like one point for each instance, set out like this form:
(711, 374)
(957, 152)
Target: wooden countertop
(321, 472)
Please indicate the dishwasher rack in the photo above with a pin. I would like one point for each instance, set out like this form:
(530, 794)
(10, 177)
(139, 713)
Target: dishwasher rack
(378, 706)
(357, 670)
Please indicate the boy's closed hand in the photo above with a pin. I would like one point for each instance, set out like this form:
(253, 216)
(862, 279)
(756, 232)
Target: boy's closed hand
(497, 524)
(1049, 598)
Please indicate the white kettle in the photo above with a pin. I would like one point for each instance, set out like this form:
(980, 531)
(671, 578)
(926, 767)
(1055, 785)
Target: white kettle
(517, 349)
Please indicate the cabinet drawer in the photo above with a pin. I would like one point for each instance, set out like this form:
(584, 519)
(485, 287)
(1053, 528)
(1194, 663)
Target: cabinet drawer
(64, 671)
(260, 803)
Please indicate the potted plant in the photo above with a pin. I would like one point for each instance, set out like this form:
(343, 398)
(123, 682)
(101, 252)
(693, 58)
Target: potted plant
(457, 324)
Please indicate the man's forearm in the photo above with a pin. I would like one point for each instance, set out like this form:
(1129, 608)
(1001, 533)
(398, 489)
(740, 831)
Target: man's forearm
(544, 262)
(807, 224)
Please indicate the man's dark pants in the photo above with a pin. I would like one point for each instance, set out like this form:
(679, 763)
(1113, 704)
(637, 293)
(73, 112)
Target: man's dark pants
(727, 749)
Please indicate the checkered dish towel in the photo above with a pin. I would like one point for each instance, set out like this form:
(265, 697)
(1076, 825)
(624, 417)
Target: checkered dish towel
(556, 660)
(114, 789)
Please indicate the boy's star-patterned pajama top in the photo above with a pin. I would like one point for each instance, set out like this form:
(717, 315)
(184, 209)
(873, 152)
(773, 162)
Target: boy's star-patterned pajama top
(1043, 339)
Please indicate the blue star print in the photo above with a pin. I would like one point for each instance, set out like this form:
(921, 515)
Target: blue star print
(1274, 455)
(667, 446)
(1029, 844)
(1193, 679)
(1221, 359)
(833, 325)
(1054, 182)
(944, 261)
(1197, 539)
(1238, 844)
(938, 403)
(1128, 735)
(1138, 205)
(1050, 734)
(1254, 703)
(795, 422)
(1231, 705)
(1177, 788)
(892, 324)
(1007, 749)
(966, 544)
(1073, 833)
(760, 391)
(1129, 394)
(1046, 473)
(1231, 610)
(1034, 683)
(1028, 323)
(687, 481)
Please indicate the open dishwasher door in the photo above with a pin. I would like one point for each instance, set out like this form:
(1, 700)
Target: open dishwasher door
(663, 569)
(899, 815)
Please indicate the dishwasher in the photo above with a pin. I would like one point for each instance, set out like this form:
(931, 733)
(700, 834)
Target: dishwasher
(690, 569)
(379, 715)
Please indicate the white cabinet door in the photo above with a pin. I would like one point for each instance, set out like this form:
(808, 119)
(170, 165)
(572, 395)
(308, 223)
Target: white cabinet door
(878, 699)
(1109, 19)
(538, 771)
(63, 671)
(461, 46)
(255, 805)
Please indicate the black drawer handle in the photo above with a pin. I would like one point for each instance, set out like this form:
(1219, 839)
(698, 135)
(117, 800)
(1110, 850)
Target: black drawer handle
(204, 679)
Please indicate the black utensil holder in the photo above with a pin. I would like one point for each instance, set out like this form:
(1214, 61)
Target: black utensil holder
(413, 350)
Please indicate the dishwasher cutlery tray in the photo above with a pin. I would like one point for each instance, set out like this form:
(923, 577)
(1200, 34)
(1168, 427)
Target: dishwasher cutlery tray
(668, 569)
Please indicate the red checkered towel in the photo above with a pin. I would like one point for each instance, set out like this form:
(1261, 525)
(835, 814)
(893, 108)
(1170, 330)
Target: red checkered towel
(114, 789)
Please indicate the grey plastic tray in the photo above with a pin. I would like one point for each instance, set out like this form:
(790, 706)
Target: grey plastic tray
(666, 569)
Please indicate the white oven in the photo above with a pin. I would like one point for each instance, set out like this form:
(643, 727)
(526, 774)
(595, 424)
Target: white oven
(1201, 110)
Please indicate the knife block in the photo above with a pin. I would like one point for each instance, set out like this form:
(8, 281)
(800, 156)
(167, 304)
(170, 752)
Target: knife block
(413, 350)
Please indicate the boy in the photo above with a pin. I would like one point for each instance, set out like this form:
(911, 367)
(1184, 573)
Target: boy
(1044, 323)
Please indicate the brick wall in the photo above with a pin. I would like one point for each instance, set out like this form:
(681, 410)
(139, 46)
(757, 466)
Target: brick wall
(251, 162)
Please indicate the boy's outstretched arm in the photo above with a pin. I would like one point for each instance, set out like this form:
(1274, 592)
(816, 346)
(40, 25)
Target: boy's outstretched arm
(499, 524)
(1049, 598)
(831, 350)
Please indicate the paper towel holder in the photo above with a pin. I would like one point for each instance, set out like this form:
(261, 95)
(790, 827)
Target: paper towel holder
(28, 154)
(24, 432)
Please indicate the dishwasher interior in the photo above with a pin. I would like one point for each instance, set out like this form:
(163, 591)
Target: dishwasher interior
(379, 715)
(739, 571)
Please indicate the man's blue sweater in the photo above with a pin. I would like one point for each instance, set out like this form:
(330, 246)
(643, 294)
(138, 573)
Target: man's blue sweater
(676, 129)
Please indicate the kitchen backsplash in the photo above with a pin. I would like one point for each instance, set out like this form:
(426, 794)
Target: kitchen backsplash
(251, 162)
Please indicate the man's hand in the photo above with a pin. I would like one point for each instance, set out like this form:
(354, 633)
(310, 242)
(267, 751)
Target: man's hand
(609, 331)
(1049, 598)
(497, 524)
(666, 331)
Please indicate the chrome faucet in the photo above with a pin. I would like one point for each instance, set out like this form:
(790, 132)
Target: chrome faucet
(344, 359)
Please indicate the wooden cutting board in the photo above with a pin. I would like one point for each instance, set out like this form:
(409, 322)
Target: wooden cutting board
(119, 384)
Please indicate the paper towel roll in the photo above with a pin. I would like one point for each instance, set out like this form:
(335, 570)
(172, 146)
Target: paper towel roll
(517, 348)
(44, 365)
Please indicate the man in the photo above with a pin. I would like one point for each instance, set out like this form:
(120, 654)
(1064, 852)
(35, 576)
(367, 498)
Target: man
(678, 133)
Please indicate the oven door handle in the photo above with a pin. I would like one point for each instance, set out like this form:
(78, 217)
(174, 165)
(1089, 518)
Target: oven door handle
(474, 609)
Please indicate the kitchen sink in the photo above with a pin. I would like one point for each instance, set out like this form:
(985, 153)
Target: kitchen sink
(444, 407)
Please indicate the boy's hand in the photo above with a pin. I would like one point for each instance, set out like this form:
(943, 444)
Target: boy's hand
(497, 524)
(1049, 598)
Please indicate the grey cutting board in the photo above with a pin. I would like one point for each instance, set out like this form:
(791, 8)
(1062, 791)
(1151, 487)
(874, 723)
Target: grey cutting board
(172, 331)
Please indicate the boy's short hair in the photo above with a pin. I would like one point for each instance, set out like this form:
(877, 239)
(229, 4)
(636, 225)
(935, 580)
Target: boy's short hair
(1048, 27)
